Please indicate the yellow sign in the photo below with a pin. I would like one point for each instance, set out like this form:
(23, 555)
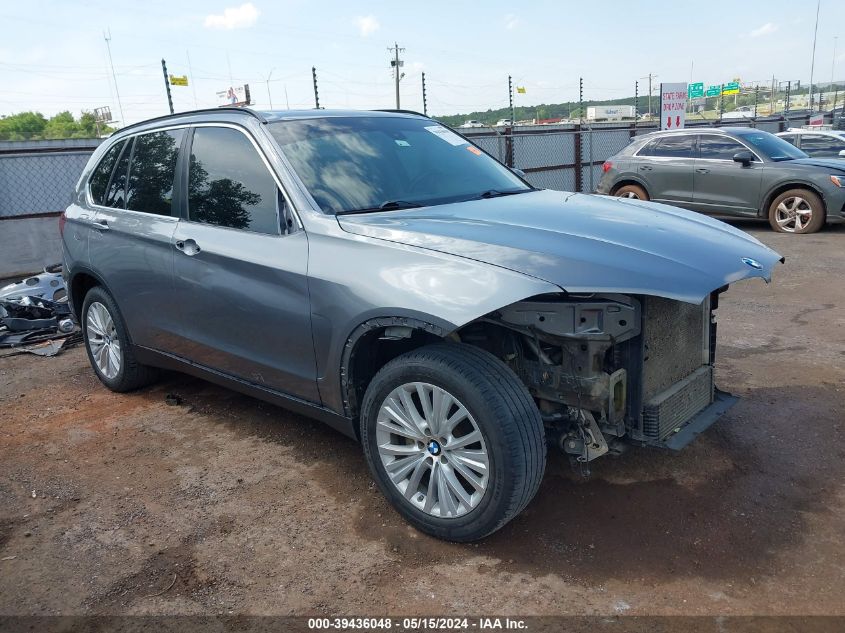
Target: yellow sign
(178, 81)
(520, 89)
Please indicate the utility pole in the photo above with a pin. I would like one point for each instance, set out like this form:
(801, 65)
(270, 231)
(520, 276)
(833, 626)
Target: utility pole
(772, 100)
(510, 97)
(397, 64)
(636, 101)
(788, 97)
(113, 76)
(269, 96)
(836, 88)
(649, 94)
(316, 94)
(167, 85)
(425, 104)
(813, 58)
(721, 100)
(756, 100)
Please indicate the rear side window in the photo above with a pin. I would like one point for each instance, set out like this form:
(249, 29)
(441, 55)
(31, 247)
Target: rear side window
(674, 147)
(101, 174)
(821, 145)
(228, 183)
(152, 172)
(718, 147)
(116, 194)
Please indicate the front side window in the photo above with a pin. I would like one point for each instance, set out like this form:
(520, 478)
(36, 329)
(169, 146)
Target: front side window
(228, 183)
(365, 163)
(718, 147)
(101, 174)
(770, 146)
(116, 194)
(152, 172)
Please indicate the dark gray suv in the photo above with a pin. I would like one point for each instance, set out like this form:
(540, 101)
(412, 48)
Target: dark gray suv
(740, 172)
(379, 272)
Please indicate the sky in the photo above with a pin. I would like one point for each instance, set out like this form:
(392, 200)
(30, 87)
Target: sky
(53, 55)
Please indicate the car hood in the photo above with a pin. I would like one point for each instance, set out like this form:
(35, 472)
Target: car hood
(836, 164)
(583, 243)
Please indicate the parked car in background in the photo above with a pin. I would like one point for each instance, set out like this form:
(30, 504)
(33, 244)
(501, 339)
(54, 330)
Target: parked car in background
(817, 143)
(742, 112)
(504, 123)
(381, 273)
(740, 172)
(472, 123)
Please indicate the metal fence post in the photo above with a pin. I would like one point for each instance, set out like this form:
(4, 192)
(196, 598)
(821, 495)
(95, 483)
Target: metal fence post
(591, 156)
(578, 162)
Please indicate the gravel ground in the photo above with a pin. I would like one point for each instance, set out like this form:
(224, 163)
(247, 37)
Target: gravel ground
(116, 503)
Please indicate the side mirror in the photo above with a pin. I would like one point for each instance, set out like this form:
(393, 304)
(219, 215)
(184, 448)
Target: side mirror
(842, 153)
(521, 173)
(744, 156)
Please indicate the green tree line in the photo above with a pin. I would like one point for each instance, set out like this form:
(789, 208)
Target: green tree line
(26, 126)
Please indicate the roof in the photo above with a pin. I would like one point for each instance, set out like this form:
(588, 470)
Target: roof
(701, 130)
(264, 116)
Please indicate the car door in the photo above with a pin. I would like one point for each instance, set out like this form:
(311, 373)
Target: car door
(131, 246)
(665, 165)
(241, 267)
(822, 145)
(722, 185)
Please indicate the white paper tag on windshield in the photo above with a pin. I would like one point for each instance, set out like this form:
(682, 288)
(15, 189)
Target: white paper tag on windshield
(447, 135)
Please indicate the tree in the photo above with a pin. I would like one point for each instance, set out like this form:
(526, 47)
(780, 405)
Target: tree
(26, 126)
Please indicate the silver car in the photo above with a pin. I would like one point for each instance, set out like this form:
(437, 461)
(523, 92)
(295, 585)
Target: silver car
(380, 272)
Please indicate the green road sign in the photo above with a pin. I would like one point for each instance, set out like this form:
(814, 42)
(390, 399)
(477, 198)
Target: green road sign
(731, 88)
(713, 91)
(695, 91)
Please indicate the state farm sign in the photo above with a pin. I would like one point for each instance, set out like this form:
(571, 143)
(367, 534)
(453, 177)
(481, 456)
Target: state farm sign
(673, 106)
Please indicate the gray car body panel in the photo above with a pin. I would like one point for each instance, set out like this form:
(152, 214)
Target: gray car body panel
(737, 189)
(441, 267)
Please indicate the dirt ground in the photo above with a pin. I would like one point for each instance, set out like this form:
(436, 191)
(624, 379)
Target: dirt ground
(123, 504)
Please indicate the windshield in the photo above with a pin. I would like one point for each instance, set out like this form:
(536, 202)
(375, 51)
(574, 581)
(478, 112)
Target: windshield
(368, 163)
(771, 146)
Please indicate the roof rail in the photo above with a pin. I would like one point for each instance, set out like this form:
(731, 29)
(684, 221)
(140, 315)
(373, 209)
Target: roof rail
(191, 112)
(400, 111)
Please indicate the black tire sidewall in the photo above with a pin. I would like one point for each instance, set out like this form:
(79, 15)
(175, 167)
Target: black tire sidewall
(815, 202)
(482, 519)
(99, 295)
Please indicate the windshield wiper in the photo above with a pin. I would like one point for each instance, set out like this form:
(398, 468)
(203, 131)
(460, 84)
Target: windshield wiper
(496, 193)
(390, 205)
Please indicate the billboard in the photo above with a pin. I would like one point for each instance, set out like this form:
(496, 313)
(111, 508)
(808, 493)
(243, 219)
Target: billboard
(673, 105)
(233, 96)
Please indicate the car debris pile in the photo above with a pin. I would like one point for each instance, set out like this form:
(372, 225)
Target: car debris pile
(35, 316)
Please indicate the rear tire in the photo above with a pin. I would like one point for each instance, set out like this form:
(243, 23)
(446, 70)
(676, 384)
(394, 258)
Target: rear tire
(408, 460)
(634, 192)
(107, 343)
(797, 211)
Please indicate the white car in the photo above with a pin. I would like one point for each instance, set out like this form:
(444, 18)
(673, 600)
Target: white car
(815, 142)
(742, 112)
(473, 123)
(504, 123)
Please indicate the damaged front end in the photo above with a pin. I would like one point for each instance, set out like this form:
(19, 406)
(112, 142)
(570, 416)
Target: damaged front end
(608, 368)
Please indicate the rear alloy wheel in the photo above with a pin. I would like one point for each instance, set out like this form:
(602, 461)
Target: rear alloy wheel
(796, 211)
(453, 439)
(634, 192)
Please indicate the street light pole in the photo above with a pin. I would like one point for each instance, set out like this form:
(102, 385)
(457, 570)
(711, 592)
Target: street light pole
(813, 58)
(269, 96)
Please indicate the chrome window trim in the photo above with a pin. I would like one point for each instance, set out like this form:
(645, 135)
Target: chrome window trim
(234, 126)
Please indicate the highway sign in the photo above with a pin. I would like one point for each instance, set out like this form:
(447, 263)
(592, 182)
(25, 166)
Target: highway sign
(695, 90)
(731, 88)
(176, 80)
(713, 91)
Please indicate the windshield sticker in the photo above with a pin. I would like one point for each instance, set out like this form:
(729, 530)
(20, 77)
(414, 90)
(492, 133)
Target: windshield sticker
(447, 135)
(474, 150)
(402, 143)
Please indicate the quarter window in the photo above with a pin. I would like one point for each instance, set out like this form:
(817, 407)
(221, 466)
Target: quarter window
(151, 175)
(101, 174)
(228, 183)
(116, 194)
(718, 147)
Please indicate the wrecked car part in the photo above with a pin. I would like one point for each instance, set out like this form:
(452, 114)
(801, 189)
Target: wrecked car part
(66, 326)
(48, 285)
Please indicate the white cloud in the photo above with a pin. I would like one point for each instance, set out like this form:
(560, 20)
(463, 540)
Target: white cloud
(417, 67)
(240, 17)
(511, 21)
(367, 25)
(767, 29)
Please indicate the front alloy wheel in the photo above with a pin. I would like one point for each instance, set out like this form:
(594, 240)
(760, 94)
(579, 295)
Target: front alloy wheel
(797, 211)
(432, 449)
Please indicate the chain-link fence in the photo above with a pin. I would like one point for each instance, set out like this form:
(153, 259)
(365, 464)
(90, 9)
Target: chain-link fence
(569, 157)
(38, 177)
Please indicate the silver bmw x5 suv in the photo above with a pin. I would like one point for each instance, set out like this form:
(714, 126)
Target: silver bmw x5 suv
(379, 272)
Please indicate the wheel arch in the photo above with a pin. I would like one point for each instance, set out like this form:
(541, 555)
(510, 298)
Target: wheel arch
(81, 280)
(775, 191)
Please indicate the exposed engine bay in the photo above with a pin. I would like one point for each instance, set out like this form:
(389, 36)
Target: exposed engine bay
(608, 369)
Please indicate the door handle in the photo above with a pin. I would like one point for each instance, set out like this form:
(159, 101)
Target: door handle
(702, 170)
(100, 225)
(189, 247)
(645, 167)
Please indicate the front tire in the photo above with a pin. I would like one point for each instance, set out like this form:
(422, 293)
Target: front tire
(108, 346)
(453, 439)
(797, 211)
